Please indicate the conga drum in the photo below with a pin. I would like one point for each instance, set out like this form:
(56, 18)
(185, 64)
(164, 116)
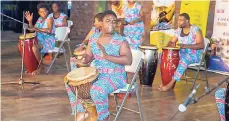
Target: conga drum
(149, 65)
(30, 60)
(169, 62)
(82, 80)
(227, 103)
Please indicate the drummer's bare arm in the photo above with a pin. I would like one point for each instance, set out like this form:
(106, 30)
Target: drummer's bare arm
(199, 42)
(85, 41)
(172, 41)
(29, 18)
(65, 23)
(88, 56)
(125, 57)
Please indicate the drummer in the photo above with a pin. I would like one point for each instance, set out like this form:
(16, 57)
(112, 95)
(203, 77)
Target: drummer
(111, 53)
(94, 30)
(60, 19)
(192, 43)
(45, 33)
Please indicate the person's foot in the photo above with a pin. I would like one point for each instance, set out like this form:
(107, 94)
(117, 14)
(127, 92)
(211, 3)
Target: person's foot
(169, 86)
(38, 71)
(82, 116)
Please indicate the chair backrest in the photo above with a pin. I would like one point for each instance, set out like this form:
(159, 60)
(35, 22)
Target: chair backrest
(61, 33)
(206, 44)
(136, 61)
(70, 23)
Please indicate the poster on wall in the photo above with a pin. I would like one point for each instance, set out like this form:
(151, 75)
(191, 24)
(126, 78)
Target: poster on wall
(220, 37)
(198, 12)
(162, 22)
(162, 14)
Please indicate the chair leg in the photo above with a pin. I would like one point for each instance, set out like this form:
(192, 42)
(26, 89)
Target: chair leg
(69, 48)
(65, 58)
(116, 102)
(185, 76)
(195, 78)
(206, 77)
(54, 59)
(139, 104)
(121, 106)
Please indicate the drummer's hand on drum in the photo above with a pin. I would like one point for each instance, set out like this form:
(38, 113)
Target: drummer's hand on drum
(181, 45)
(28, 16)
(102, 49)
(170, 44)
(80, 48)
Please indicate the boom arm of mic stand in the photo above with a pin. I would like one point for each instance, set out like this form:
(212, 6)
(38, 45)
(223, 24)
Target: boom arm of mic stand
(206, 93)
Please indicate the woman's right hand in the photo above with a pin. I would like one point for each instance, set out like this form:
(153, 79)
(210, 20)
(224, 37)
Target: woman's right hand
(28, 16)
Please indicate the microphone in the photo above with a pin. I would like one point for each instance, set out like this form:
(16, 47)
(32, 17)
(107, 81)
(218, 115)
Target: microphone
(183, 107)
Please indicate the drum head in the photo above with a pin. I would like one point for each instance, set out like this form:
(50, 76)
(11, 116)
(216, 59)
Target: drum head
(82, 73)
(171, 48)
(27, 36)
(148, 46)
(79, 52)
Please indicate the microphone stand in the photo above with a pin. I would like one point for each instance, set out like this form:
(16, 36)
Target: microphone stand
(21, 80)
(208, 92)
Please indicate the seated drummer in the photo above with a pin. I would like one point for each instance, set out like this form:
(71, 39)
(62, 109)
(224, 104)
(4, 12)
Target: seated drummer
(45, 33)
(191, 45)
(111, 52)
(94, 30)
(60, 19)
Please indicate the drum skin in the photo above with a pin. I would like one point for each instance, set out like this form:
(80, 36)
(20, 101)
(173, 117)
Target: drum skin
(30, 60)
(149, 65)
(169, 62)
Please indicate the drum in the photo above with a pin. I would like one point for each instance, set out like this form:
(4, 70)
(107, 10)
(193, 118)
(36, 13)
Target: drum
(90, 108)
(227, 103)
(169, 62)
(82, 79)
(30, 60)
(149, 65)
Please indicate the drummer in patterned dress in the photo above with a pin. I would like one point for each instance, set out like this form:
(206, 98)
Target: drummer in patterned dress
(60, 19)
(44, 29)
(111, 52)
(134, 26)
(191, 43)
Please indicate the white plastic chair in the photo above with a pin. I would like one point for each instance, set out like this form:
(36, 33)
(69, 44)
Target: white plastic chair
(133, 68)
(200, 65)
(61, 34)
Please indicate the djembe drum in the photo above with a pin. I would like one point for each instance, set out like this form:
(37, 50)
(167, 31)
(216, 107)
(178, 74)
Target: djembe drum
(80, 80)
(30, 60)
(169, 61)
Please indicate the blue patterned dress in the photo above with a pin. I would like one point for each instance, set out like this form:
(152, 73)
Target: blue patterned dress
(58, 22)
(133, 32)
(47, 40)
(111, 77)
(187, 56)
(220, 96)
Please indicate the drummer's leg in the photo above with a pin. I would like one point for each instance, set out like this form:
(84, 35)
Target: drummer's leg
(220, 102)
(99, 94)
(36, 50)
(182, 66)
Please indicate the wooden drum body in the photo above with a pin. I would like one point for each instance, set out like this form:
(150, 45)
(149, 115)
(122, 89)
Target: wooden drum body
(90, 108)
(149, 65)
(169, 62)
(30, 60)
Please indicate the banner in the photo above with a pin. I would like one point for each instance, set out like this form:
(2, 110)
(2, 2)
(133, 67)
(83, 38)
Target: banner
(162, 14)
(220, 37)
(198, 12)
